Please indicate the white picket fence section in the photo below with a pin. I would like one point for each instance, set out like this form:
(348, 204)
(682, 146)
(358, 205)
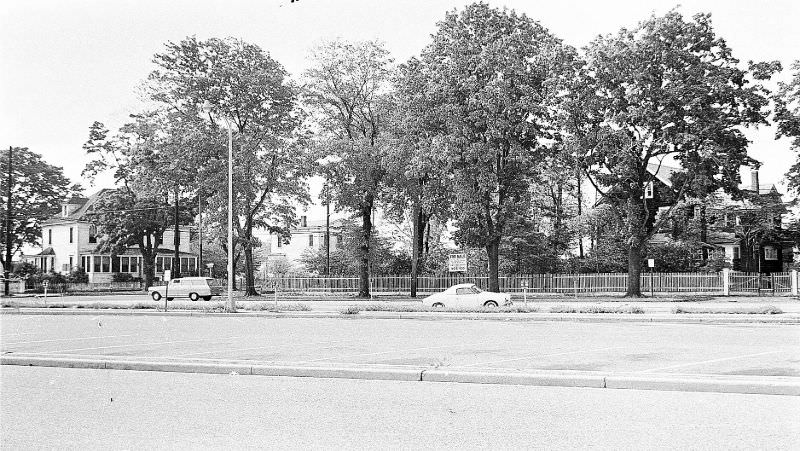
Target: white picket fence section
(739, 283)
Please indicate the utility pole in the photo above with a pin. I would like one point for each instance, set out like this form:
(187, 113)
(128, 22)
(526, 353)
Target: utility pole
(328, 234)
(414, 249)
(176, 265)
(7, 269)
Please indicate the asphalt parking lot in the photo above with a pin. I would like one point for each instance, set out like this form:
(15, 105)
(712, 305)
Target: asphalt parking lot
(739, 350)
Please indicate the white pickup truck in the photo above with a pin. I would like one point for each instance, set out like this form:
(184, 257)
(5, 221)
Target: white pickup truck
(194, 288)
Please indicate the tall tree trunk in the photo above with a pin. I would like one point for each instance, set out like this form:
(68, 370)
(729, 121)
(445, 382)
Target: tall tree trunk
(148, 269)
(493, 252)
(249, 272)
(637, 233)
(363, 260)
(634, 270)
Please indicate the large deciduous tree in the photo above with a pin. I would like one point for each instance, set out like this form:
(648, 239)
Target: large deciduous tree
(251, 91)
(37, 191)
(347, 87)
(787, 115)
(148, 156)
(489, 79)
(667, 91)
(416, 185)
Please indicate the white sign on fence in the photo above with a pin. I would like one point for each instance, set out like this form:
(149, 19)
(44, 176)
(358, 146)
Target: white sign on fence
(651, 263)
(457, 262)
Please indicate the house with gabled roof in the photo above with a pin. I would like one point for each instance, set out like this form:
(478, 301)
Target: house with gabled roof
(70, 241)
(728, 227)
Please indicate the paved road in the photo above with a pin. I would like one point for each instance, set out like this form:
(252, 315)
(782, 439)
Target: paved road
(49, 408)
(650, 349)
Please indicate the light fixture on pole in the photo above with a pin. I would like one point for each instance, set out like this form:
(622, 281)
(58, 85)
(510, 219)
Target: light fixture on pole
(207, 108)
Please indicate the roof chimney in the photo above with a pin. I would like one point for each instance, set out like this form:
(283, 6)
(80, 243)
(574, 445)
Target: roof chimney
(754, 180)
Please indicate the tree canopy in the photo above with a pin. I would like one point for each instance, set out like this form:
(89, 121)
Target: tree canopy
(666, 91)
(37, 191)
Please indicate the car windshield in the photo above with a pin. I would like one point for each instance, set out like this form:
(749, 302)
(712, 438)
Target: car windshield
(475, 289)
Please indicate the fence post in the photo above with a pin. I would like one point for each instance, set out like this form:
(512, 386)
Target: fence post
(726, 281)
(794, 282)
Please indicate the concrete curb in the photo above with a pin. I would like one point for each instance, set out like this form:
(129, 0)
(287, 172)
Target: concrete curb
(760, 387)
(538, 379)
(718, 318)
(763, 386)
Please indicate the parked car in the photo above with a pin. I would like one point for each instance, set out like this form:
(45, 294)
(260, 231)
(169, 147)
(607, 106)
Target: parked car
(466, 295)
(192, 287)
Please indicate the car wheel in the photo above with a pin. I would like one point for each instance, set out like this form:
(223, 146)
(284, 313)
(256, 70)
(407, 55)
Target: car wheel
(169, 299)
(156, 296)
(194, 297)
(437, 305)
(490, 304)
(206, 298)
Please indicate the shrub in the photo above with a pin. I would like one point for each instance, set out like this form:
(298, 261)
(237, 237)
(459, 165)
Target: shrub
(121, 277)
(78, 275)
(350, 310)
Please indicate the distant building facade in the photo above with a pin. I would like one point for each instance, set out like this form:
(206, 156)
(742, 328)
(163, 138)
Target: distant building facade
(70, 241)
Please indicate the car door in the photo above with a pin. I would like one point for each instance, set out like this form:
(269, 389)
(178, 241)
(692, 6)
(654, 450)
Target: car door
(176, 288)
(463, 297)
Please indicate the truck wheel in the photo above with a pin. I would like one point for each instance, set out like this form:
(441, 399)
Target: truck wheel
(206, 298)
(156, 296)
(194, 297)
(169, 299)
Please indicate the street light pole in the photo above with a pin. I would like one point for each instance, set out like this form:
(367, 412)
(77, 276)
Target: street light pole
(231, 307)
(231, 302)
(7, 269)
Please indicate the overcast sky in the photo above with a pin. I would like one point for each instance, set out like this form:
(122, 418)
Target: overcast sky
(65, 64)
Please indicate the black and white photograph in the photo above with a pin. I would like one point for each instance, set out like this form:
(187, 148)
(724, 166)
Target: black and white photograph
(411, 224)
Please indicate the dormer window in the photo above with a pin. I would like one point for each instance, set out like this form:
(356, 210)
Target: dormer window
(65, 211)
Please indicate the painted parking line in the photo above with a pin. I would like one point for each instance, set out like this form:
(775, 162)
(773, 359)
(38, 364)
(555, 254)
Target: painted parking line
(681, 365)
(70, 339)
(158, 343)
(378, 353)
(533, 356)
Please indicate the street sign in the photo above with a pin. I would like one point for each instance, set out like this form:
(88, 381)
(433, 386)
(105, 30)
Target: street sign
(651, 263)
(167, 275)
(457, 262)
(45, 283)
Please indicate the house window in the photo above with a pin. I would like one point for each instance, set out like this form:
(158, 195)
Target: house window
(310, 240)
(70, 234)
(738, 220)
(134, 264)
(70, 263)
(648, 190)
(92, 233)
(303, 221)
(49, 236)
(64, 210)
(770, 253)
(736, 253)
(106, 264)
(159, 238)
(124, 266)
(280, 241)
(115, 264)
(96, 265)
